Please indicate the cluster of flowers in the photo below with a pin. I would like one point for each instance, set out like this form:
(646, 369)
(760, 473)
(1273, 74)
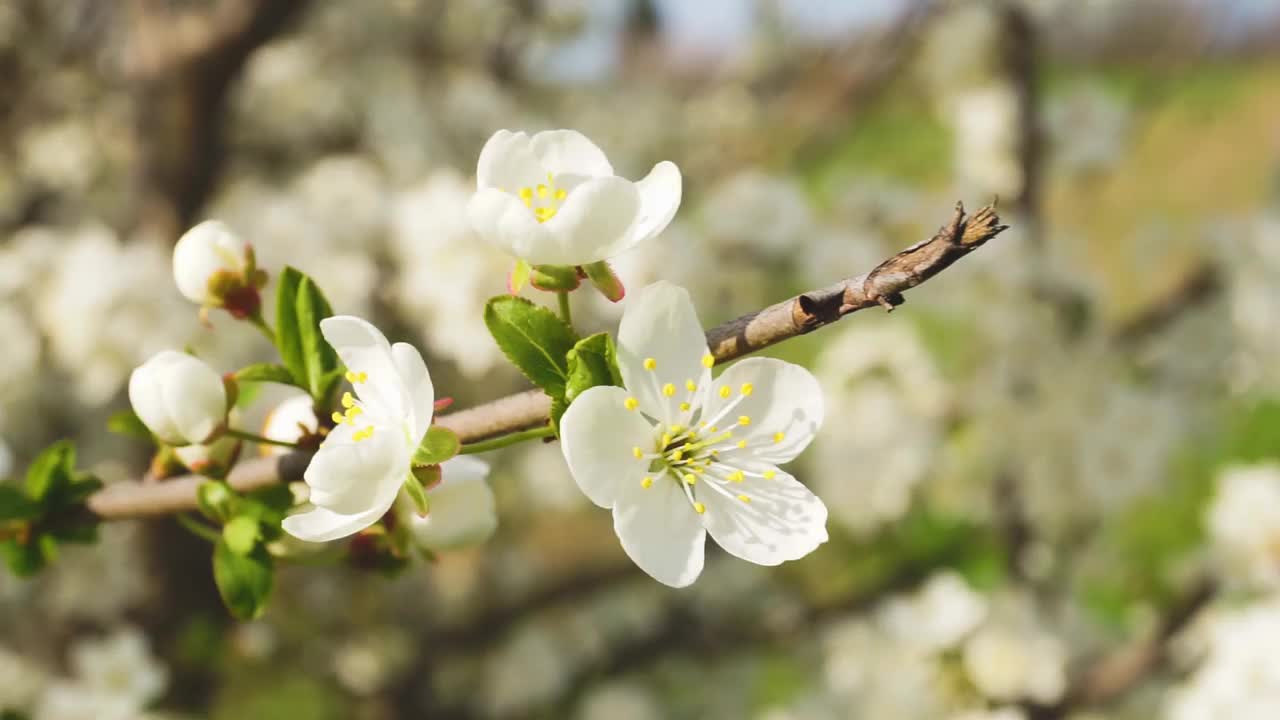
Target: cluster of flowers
(674, 453)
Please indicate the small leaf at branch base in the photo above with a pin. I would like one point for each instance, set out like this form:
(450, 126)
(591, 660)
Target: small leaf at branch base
(15, 506)
(533, 338)
(244, 581)
(215, 499)
(438, 445)
(126, 423)
(241, 534)
(265, 372)
(52, 471)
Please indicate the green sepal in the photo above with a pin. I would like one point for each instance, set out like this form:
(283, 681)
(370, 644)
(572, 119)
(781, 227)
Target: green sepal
(438, 445)
(555, 278)
(244, 581)
(533, 338)
(216, 500)
(416, 491)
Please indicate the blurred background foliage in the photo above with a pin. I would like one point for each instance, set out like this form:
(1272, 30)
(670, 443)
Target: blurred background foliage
(1059, 454)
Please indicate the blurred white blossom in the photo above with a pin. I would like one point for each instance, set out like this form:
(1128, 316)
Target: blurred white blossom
(1244, 524)
(1238, 677)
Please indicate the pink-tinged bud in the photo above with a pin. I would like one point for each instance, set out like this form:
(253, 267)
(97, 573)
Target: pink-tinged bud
(215, 268)
(605, 280)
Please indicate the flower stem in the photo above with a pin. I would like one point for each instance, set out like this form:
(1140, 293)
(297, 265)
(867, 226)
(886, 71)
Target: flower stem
(197, 528)
(232, 432)
(506, 440)
(257, 321)
(565, 313)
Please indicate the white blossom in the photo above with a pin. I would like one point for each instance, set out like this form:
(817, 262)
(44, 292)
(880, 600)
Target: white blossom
(553, 199)
(179, 398)
(1244, 524)
(676, 455)
(462, 511)
(1238, 678)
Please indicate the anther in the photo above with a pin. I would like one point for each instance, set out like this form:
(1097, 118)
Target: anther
(708, 360)
(744, 419)
(690, 385)
(684, 407)
(725, 392)
(699, 508)
(646, 483)
(744, 498)
(690, 479)
(637, 452)
(348, 400)
(631, 403)
(668, 389)
(770, 474)
(748, 388)
(650, 363)
(779, 436)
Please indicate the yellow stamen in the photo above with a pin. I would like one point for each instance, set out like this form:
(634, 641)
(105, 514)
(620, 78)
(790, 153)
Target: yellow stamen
(770, 474)
(690, 479)
(744, 498)
(631, 403)
(542, 191)
(676, 455)
(744, 419)
(666, 439)
(646, 483)
(690, 385)
(708, 360)
(779, 436)
(561, 194)
(742, 444)
(748, 388)
(637, 452)
(726, 391)
(699, 508)
(650, 363)
(677, 429)
(347, 400)
(684, 407)
(668, 389)
(338, 417)
(737, 476)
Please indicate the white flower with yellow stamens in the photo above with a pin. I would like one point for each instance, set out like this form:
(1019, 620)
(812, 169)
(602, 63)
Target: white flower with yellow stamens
(362, 465)
(552, 199)
(677, 456)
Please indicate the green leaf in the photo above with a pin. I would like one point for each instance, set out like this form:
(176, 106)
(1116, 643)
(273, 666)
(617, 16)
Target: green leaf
(319, 358)
(244, 581)
(438, 445)
(241, 534)
(288, 337)
(533, 339)
(52, 471)
(418, 494)
(15, 506)
(82, 486)
(558, 408)
(265, 372)
(592, 361)
(126, 423)
(22, 559)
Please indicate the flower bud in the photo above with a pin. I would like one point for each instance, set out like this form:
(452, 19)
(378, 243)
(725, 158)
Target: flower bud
(214, 267)
(462, 509)
(179, 398)
(605, 280)
(292, 421)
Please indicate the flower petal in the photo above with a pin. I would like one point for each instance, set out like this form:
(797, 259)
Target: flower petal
(660, 531)
(781, 521)
(784, 408)
(593, 222)
(660, 193)
(322, 525)
(660, 323)
(148, 403)
(364, 349)
(507, 161)
(598, 435)
(504, 222)
(194, 395)
(416, 381)
(352, 477)
(569, 151)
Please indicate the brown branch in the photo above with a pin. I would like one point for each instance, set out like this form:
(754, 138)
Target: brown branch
(801, 314)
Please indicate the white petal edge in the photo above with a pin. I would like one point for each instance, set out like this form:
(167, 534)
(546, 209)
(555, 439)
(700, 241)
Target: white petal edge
(660, 531)
(782, 521)
(148, 402)
(463, 512)
(364, 349)
(785, 398)
(660, 322)
(194, 396)
(569, 151)
(320, 525)
(507, 161)
(597, 436)
(660, 193)
(416, 380)
(593, 222)
(504, 222)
